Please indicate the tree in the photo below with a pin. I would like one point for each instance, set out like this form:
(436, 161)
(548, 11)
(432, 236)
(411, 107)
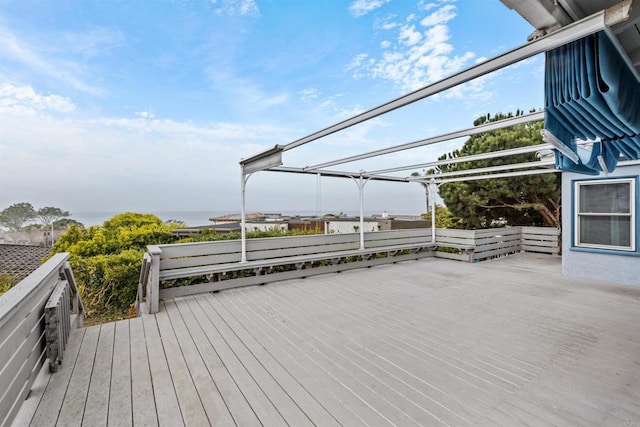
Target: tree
(522, 200)
(64, 223)
(15, 216)
(49, 214)
(444, 219)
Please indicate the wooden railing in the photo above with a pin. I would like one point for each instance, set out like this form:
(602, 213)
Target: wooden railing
(24, 345)
(217, 264)
(271, 259)
(496, 242)
(544, 240)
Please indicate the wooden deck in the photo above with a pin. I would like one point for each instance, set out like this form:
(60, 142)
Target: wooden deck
(503, 342)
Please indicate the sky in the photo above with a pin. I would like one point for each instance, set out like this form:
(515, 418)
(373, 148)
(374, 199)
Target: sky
(148, 106)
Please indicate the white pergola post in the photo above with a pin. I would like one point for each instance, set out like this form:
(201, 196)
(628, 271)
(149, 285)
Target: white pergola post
(433, 189)
(319, 195)
(243, 232)
(361, 182)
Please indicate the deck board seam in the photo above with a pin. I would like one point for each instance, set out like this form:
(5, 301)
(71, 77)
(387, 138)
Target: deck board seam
(280, 380)
(356, 380)
(387, 373)
(441, 360)
(187, 304)
(333, 396)
(259, 366)
(322, 368)
(242, 366)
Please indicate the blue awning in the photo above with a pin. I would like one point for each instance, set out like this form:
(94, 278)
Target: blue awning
(591, 94)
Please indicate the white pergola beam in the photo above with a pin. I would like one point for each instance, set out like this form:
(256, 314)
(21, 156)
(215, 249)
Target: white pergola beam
(471, 158)
(487, 127)
(338, 174)
(498, 175)
(536, 164)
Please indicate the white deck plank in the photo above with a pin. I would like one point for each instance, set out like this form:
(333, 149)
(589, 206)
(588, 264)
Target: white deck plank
(382, 411)
(74, 401)
(166, 400)
(449, 378)
(143, 403)
(398, 394)
(328, 392)
(97, 405)
(260, 403)
(49, 407)
(287, 407)
(292, 413)
(305, 401)
(190, 403)
(238, 406)
(213, 404)
(364, 349)
(120, 409)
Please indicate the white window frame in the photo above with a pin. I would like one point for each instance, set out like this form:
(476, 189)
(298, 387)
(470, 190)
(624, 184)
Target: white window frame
(632, 213)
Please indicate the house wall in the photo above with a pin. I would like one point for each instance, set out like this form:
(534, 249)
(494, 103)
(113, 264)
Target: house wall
(338, 227)
(266, 226)
(624, 269)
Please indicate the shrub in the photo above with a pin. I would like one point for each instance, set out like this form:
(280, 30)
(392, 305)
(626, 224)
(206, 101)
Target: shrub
(107, 259)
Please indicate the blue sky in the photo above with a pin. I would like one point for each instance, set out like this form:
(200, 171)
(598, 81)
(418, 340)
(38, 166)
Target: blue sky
(149, 105)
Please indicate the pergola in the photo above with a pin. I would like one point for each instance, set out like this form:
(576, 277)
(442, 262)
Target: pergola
(271, 159)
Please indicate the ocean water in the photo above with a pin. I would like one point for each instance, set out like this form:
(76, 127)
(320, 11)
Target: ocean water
(192, 218)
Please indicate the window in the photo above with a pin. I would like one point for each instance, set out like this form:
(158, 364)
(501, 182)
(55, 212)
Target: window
(605, 214)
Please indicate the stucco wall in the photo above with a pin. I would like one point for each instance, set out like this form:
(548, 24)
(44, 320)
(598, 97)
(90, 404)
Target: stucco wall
(339, 227)
(624, 269)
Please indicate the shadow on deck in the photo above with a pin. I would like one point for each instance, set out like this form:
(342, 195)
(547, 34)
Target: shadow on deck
(504, 342)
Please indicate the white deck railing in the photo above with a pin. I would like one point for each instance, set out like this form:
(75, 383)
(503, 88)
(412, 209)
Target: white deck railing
(219, 263)
(24, 342)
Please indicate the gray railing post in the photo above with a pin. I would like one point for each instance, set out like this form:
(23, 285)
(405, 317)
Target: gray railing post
(153, 285)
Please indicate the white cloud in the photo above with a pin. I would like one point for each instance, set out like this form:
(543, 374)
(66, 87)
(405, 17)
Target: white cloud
(34, 54)
(308, 94)
(439, 17)
(409, 36)
(428, 5)
(23, 99)
(236, 7)
(358, 64)
(416, 58)
(362, 7)
(146, 114)
(385, 44)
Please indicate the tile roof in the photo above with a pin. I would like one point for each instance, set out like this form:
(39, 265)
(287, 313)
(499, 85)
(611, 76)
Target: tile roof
(21, 260)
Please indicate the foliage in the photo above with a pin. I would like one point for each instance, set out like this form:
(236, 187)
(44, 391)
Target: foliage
(64, 223)
(49, 214)
(522, 200)
(210, 235)
(6, 282)
(107, 259)
(16, 215)
(444, 219)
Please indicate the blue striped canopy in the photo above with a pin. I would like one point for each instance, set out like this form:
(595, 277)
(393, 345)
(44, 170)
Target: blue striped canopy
(590, 93)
